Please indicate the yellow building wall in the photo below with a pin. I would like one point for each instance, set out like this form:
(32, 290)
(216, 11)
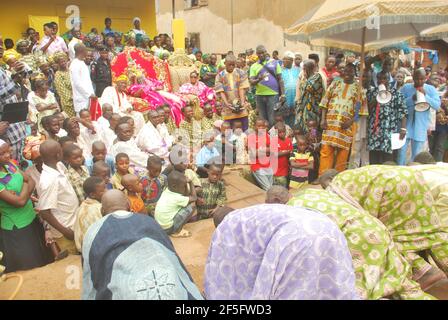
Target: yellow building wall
(14, 15)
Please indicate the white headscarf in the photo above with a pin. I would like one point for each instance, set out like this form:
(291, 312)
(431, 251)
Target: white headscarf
(136, 19)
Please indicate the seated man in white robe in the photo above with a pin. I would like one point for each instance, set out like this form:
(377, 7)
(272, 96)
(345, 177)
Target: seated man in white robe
(108, 135)
(149, 138)
(107, 111)
(125, 144)
(117, 98)
(89, 132)
(163, 129)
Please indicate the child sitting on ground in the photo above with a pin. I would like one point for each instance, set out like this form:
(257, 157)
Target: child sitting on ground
(108, 132)
(99, 153)
(175, 207)
(51, 127)
(301, 163)
(133, 188)
(153, 184)
(101, 170)
(76, 173)
(32, 142)
(213, 193)
(61, 118)
(123, 167)
(207, 152)
(90, 209)
(240, 143)
(179, 161)
(258, 144)
(90, 132)
(126, 144)
(283, 153)
(225, 142)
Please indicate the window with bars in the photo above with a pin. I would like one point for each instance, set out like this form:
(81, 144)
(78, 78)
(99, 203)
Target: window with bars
(191, 4)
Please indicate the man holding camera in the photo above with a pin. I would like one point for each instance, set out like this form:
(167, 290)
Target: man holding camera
(231, 84)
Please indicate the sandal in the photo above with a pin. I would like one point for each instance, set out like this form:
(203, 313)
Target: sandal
(182, 234)
(61, 255)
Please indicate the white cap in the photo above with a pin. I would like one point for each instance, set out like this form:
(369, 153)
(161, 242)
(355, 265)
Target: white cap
(289, 54)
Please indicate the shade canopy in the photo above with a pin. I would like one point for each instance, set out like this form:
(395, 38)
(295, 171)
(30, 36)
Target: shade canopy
(340, 23)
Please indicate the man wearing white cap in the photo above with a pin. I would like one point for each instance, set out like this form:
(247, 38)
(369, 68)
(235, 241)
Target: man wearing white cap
(290, 76)
(137, 30)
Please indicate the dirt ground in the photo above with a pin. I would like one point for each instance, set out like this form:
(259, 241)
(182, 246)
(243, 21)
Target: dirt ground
(63, 280)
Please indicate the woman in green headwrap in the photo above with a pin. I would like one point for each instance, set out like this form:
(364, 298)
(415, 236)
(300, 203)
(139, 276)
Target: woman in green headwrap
(400, 198)
(144, 43)
(164, 54)
(209, 71)
(130, 39)
(381, 271)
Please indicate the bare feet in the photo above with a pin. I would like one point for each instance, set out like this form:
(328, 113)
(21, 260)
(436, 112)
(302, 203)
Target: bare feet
(439, 289)
(182, 234)
(430, 278)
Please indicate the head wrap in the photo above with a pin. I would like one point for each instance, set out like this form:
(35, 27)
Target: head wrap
(206, 56)
(253, 58)
(58, 55)
(136, 19)
(277, 255)
(289, 54)
(122, 78)
(76, 22)
(161, 53)
(349, 54)
(130, 35)
(41, 61)
(23, 42)
(10, 55)
(31, 150)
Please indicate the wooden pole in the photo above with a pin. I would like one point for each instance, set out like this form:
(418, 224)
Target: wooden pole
(354, 151)
(174, 8)
(231, 15)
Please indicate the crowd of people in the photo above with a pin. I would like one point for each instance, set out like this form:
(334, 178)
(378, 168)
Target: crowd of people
(103, 153)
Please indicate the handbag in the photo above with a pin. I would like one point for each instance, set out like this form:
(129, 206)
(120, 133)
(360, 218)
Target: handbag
(280, 107)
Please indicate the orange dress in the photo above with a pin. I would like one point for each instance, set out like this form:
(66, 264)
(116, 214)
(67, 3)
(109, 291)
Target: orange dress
(136, 202)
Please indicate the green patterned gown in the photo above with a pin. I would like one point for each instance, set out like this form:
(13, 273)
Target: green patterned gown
(381, 271)
(400, 198)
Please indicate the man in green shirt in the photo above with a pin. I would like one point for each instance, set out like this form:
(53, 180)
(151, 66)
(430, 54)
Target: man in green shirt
(266, 76)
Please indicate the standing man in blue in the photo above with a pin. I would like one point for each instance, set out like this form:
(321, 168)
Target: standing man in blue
(417, 122)
(290, 76)
(266, 75)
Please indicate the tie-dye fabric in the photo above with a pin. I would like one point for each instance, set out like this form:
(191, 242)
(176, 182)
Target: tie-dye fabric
(277, 252)
(381, 271)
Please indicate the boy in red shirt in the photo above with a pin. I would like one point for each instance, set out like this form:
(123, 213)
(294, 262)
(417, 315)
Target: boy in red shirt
(258, 144)
(284, 151)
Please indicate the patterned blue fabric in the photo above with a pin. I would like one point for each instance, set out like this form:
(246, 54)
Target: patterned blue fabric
(129, 257)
